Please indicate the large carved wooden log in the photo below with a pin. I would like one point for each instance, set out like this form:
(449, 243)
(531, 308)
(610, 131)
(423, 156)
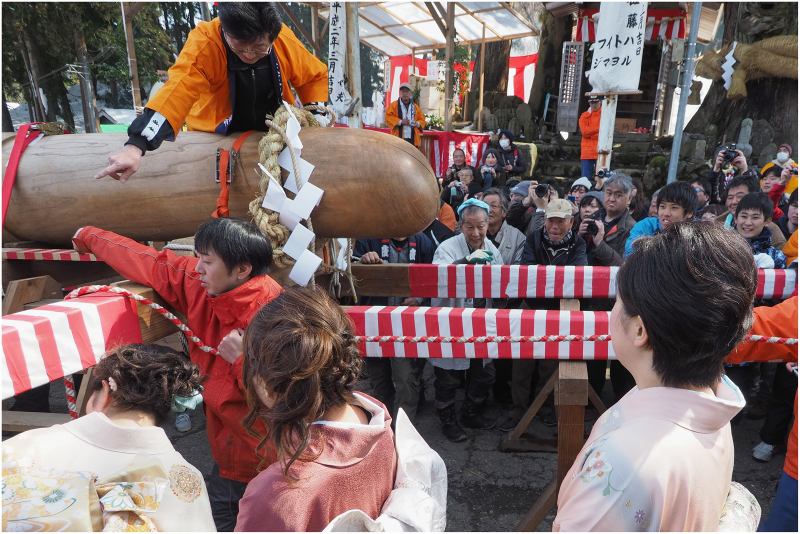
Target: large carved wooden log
(376, 185)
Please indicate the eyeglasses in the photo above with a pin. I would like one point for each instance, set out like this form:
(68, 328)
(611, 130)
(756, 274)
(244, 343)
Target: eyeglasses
(261, 51)
(699, 190)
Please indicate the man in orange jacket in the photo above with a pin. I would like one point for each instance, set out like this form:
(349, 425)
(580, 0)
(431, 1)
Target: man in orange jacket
(218, 292)
(404, 118)
(230, 74)
(589, 124)
(777, 321)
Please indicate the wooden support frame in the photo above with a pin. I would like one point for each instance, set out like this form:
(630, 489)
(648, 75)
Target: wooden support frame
(38, 291)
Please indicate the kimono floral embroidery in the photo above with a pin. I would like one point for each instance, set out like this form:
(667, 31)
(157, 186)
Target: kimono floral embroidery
(639, 516)
(597, 466)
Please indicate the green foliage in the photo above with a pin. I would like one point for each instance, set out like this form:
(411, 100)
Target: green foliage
(53, 28)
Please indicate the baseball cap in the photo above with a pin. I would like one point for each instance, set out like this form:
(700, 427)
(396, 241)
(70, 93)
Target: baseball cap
(594, 98)
(558, 208)
(521, 188)
(406, 85)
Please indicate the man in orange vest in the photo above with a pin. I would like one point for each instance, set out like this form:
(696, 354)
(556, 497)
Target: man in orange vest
(589, 123)
(404, 118)
(230, 74)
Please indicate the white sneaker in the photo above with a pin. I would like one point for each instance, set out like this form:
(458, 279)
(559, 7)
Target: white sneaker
(763, 452)
(183, 423)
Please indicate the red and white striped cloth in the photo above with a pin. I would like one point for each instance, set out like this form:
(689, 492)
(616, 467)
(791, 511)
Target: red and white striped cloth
(661, 24)
(46, 254)
(49, 342)
(549, 281)
(469, 322)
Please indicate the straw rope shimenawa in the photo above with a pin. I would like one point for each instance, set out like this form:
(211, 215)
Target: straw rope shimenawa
(269, 148)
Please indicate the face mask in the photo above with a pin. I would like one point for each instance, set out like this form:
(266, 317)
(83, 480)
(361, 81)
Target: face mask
(505, 143)
(782, 156)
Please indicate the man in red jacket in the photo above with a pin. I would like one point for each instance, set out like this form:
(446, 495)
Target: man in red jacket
(218, 292)
(777, 321)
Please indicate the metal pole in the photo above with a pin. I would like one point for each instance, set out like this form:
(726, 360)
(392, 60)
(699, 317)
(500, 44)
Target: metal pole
(688, 73)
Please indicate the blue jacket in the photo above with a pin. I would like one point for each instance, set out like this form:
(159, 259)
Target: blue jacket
(649, 226)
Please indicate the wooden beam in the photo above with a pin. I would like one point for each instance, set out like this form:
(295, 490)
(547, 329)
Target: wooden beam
(386, 280)
(448, 82)
(27, 290)
(437, 18)
(128, 11)
(24, 421)
(153, 325)
(480, 85)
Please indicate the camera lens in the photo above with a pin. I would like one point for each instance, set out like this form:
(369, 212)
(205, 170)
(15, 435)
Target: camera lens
(541, 190)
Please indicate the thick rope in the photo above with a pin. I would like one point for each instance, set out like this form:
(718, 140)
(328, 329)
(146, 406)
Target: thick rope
(72, 397)
(269, 148)
(533, 339)
(171, 317)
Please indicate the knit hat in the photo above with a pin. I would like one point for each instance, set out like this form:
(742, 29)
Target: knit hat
(582, 181)
(473, 202)
(521, 188)
(596, 194)
(787, 147)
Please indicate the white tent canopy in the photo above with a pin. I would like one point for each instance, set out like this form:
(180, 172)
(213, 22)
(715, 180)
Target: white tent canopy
(398, 28)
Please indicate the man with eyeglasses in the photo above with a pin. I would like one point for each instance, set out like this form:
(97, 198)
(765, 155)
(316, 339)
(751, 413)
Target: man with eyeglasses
(702, 189)
(230, 74)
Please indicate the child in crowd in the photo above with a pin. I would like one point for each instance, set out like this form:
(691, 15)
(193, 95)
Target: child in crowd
(335, 446)
(661, 459)
(753, 213)
(676, 202)
(490, 169)
(52, 477)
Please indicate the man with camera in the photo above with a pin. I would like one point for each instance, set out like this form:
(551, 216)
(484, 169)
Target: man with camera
(730, 162)
(520, 214)
(605, 238)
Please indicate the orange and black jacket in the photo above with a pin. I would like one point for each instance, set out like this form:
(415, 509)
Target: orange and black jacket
(212, 90)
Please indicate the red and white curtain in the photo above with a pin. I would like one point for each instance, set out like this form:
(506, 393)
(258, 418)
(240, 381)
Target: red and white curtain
(664, 24)
(520, 74)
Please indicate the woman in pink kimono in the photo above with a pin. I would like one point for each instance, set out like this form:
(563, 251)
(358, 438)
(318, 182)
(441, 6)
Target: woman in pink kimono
(114, 468)
(335, 446)
(662, 457)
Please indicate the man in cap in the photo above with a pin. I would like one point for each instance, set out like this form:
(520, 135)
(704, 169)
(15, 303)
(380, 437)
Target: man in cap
(589, 124)
(552, 242)
(405, 118)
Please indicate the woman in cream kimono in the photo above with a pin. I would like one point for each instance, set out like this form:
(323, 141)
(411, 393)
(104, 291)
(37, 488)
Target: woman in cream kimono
(662, 457)
(112, 469)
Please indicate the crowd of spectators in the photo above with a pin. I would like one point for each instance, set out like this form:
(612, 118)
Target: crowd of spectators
(596, 221)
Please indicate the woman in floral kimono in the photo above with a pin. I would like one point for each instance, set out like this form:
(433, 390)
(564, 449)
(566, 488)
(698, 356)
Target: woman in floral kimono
(112, 469)
(662, 457)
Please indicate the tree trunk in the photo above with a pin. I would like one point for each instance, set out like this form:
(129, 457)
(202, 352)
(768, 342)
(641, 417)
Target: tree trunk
(8, 126)
(495, 72)
(548, 67)
(191, 14)
(771, 102)
(88, 103)
(33, 66)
